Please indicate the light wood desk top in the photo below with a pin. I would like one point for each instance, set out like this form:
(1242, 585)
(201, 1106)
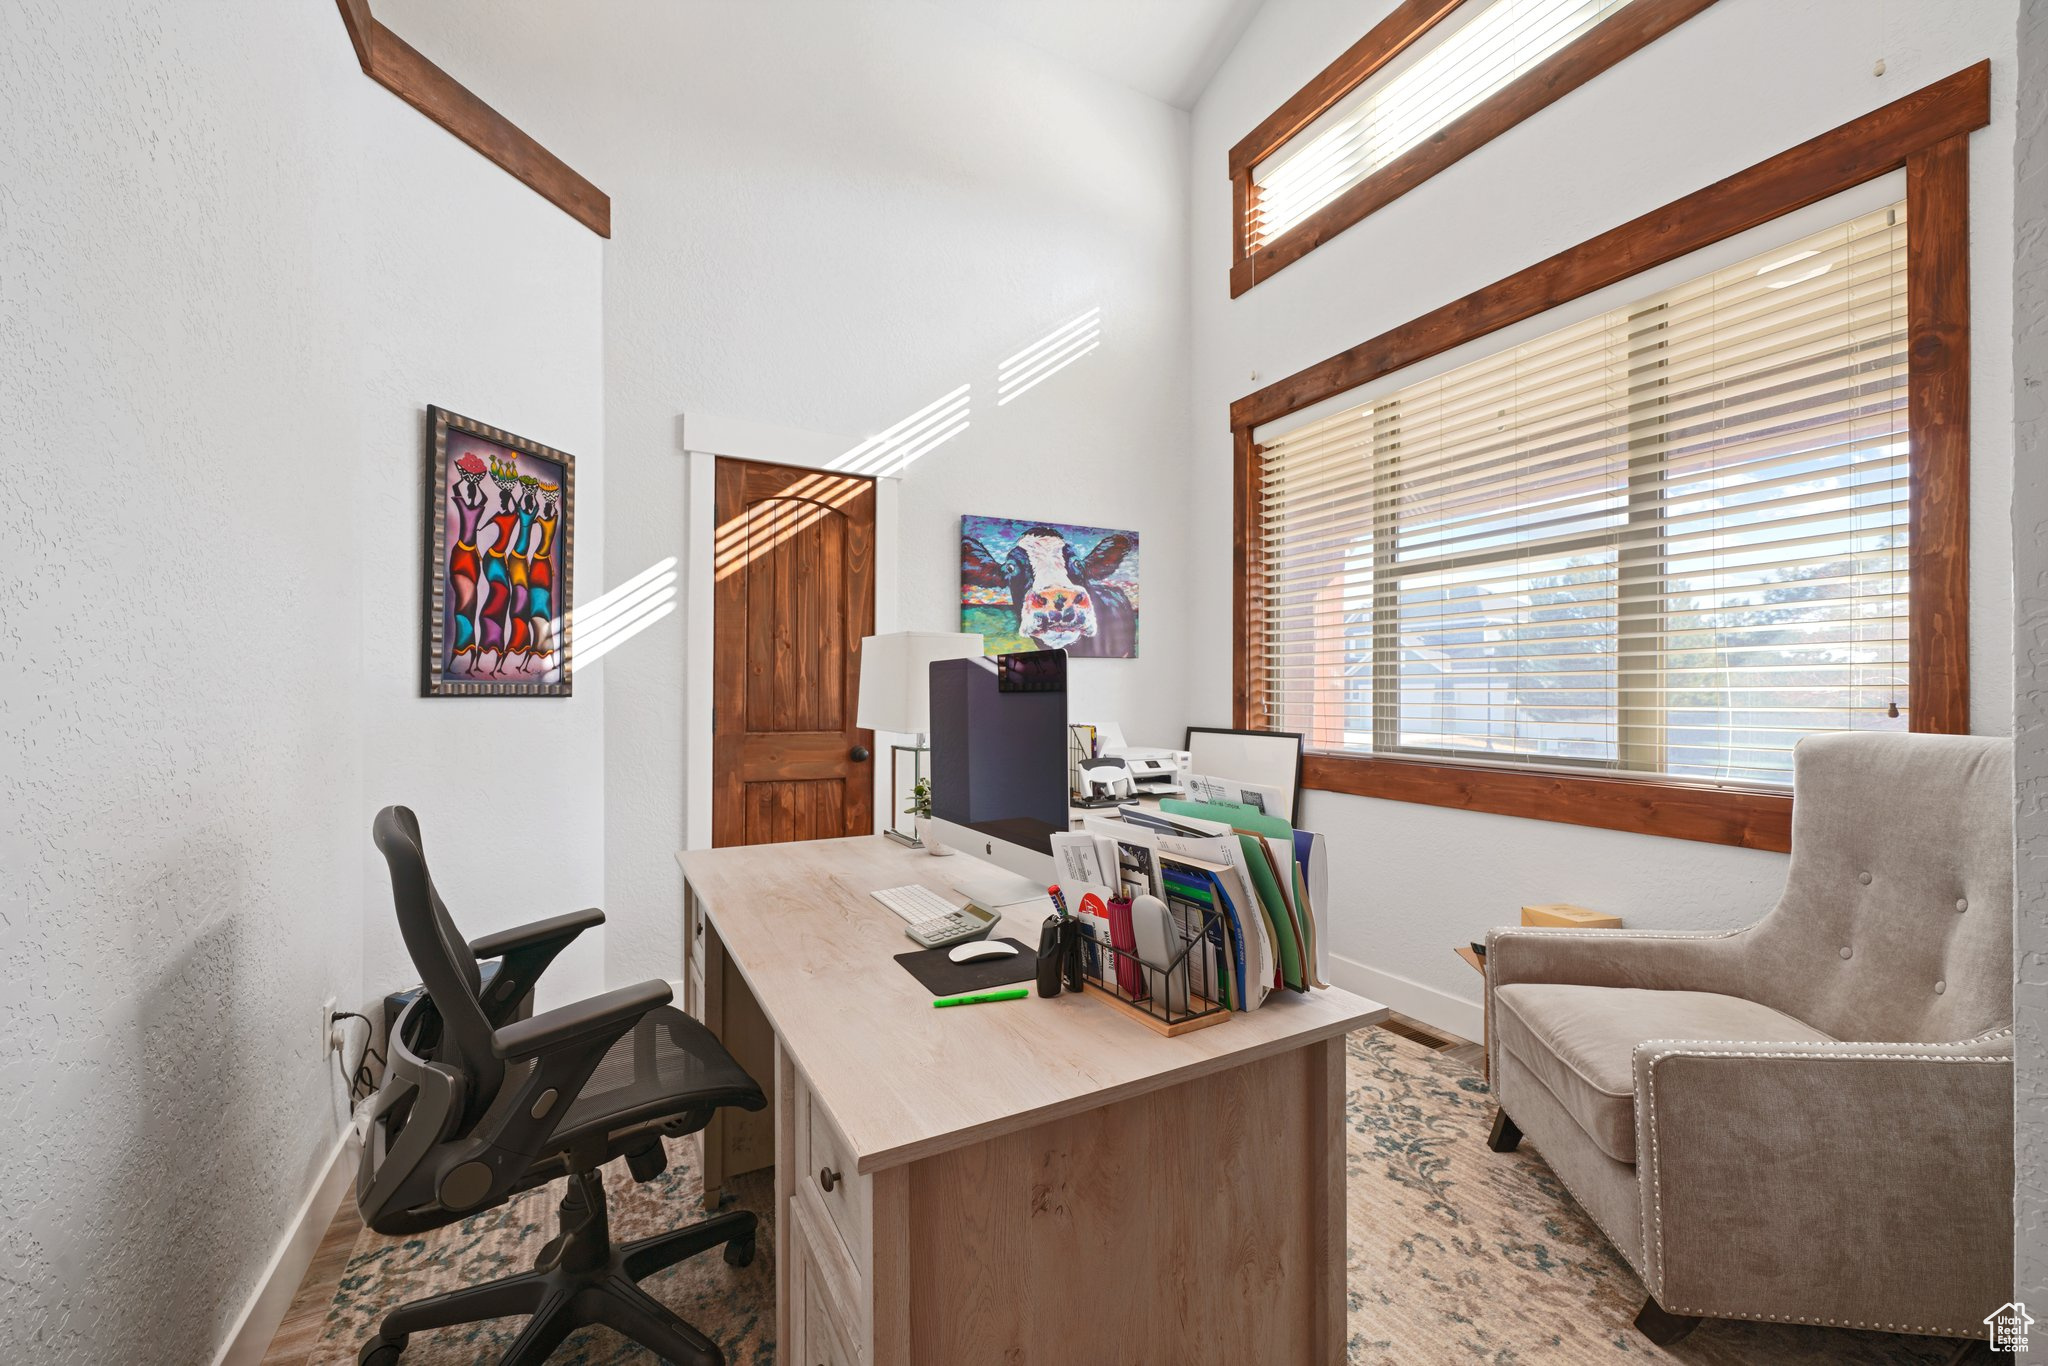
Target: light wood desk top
(904, 1081)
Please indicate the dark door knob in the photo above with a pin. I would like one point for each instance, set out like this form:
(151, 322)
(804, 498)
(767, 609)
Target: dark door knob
(859, 754)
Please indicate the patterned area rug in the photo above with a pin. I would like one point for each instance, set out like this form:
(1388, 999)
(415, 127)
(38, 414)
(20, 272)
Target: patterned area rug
(1458, 1255)
(1461, 1254)
(733, 1307)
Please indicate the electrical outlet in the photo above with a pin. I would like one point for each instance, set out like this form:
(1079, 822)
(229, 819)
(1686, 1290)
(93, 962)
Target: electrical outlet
(327, 1026)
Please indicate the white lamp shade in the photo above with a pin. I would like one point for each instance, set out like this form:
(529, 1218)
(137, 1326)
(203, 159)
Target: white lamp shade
(895, 677)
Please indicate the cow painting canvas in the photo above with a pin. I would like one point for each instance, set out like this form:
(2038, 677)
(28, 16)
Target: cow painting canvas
(1048, 586)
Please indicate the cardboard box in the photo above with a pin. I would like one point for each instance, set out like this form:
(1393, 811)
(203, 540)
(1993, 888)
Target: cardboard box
(1563, 913)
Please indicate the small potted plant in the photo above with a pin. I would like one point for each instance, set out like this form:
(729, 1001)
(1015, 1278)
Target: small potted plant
(920, 807)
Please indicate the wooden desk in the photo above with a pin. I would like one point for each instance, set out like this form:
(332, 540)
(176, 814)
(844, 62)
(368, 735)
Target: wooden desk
(1041, 1181)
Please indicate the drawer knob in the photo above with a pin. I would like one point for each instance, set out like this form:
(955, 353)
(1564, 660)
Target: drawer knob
(827, 1178)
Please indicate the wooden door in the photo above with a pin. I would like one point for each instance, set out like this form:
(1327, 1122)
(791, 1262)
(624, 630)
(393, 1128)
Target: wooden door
(795, 593)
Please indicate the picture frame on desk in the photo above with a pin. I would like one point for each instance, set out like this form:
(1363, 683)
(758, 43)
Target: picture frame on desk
(1268, 758)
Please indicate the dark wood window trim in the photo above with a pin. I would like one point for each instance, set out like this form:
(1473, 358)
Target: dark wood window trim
(396, 65)
(1629, 29)
(1927, 134)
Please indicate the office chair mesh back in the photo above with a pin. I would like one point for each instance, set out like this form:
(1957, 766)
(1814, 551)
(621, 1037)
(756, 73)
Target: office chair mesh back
(441, 956)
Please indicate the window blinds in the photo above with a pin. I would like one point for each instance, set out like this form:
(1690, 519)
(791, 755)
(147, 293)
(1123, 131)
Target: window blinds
(1670, 539)
(1500, 41)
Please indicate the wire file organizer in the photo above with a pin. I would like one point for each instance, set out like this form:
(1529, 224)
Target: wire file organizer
(1174, 996)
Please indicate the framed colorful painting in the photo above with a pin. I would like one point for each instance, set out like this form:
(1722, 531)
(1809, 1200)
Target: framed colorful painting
(500, 562)
(1049, 586)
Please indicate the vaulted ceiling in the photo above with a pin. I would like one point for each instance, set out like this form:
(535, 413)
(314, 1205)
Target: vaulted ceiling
(1167, 49)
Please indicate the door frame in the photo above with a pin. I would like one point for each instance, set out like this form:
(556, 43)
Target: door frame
(705, 438)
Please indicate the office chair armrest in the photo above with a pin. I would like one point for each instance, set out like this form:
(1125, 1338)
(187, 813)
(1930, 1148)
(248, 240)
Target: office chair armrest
(524, 953)
(562, 928)
(581, 1022)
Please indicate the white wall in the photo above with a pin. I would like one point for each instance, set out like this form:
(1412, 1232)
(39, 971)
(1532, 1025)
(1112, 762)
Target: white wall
(234, 273)
(2030, 662)
(827, 216)
(481, 297)
(1741, 82)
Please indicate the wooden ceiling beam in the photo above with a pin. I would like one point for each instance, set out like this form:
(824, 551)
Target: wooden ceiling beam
(400, 68)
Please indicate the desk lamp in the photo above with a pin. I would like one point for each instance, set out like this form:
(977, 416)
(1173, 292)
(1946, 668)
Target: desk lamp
(895, 696)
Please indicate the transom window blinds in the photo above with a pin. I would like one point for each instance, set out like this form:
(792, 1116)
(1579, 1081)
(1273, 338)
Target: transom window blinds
(1498, 42)
(1667, 540)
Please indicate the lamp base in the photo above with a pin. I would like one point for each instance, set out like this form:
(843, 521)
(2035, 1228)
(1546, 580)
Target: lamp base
(896, 803)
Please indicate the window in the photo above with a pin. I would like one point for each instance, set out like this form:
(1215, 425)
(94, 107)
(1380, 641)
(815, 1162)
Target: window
(1496, 41)
(1610, 575)
(1668, 540)
(1432, 81)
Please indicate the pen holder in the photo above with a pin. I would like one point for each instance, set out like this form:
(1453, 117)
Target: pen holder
(1052, 955)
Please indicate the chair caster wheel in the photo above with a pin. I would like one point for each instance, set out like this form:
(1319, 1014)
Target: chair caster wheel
(740, 1251)
(380, 1352)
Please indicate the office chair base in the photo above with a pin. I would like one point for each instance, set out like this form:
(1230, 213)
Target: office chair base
(580, 1278)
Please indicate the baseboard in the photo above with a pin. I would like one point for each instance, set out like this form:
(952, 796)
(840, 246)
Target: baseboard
(260, 1317)
(1437, 1009)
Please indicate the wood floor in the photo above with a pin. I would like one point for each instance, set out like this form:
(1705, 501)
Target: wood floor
(307, 1316)
(1473, 1055)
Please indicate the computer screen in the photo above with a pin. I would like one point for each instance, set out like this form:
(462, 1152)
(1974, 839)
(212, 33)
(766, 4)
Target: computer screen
(999, 745)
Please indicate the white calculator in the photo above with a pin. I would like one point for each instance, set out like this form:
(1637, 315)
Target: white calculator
(933, 921)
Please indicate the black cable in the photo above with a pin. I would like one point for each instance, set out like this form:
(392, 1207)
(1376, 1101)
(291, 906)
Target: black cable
(364, 1083)
(366, 1080)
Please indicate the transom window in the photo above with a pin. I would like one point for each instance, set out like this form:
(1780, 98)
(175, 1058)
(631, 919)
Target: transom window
(1477, 51)
(1668, 540)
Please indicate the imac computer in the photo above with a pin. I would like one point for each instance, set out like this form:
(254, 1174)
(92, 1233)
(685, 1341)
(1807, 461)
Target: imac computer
(999, 770)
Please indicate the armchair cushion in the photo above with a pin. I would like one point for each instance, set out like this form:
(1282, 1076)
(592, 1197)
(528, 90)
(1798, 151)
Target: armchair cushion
(1580, 1042)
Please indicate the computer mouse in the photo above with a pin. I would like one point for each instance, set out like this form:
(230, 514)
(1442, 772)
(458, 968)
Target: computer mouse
(979, 949)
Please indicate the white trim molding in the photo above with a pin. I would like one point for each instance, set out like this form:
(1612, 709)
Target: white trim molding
(1437, 1009)
(258, 1322)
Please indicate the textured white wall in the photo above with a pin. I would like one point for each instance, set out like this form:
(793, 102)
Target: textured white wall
(234, 271)
(2030, 661)
(482, 297)
(827, 216)
(1742, 81)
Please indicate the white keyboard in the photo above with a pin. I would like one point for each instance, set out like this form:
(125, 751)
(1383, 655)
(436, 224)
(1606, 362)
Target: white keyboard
(932, 920)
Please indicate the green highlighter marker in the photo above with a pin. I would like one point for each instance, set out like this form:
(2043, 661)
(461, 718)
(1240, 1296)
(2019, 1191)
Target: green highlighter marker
(978, 997)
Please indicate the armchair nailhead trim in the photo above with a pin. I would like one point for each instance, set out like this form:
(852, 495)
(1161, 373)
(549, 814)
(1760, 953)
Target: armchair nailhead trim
(1653, 1213)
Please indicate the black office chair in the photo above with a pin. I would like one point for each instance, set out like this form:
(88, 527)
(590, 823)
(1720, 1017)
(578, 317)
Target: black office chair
(476, 1107)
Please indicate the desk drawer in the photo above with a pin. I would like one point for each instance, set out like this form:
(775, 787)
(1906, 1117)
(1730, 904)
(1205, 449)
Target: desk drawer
(819, 1321)
(824, 1161)
(823, 1343)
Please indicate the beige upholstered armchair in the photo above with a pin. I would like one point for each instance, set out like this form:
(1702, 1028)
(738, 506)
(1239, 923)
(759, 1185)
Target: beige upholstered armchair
(1809, 1120)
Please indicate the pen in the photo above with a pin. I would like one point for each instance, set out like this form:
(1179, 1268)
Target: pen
(978, 997)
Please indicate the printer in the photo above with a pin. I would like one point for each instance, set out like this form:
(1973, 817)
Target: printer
(1153, 772)
(1157, 772)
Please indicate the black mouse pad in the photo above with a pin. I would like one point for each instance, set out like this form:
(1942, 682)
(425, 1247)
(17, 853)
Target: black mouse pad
(941, 976)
